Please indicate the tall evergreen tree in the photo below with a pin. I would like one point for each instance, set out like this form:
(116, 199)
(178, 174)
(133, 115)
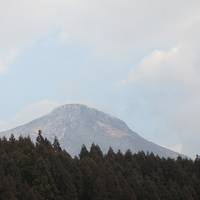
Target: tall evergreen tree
(39, 139)
(56, 144)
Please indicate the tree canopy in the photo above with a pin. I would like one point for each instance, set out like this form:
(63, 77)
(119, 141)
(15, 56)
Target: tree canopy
(43, 171)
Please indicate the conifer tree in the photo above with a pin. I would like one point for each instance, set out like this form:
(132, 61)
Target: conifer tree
(56, 145)
(84, 152)
(45, 171)
(39, 139)
(12, 138)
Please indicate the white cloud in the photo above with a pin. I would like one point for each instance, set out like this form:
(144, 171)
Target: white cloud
(7, 59)
(159, 65)
(29, 113)
(121, 26)
(107, 26)
(177, 148)
(34, 111)
(2, 67)
(172, 78)
(177, 65)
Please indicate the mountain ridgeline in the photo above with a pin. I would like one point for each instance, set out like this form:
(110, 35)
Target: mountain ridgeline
(75, 125)
(41, 171)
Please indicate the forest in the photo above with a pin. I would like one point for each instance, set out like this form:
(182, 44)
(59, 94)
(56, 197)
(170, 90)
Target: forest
(42, 170)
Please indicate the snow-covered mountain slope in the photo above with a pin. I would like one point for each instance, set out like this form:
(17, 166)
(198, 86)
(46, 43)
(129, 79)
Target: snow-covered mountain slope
(76, 124)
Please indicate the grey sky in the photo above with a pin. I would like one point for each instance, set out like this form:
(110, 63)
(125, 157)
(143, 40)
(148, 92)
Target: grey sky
(135, 59)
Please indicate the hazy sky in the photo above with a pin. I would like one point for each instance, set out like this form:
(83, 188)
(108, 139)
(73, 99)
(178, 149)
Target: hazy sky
(136, 59)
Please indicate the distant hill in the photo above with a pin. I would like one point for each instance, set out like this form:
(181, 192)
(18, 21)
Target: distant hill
(75, 125)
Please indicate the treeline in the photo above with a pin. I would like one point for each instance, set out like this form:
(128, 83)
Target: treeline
(43, 171)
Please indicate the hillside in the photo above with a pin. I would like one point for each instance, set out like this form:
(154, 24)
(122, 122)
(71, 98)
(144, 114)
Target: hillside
(75, 125)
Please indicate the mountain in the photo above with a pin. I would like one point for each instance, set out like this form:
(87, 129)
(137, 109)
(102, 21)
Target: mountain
(75, 125)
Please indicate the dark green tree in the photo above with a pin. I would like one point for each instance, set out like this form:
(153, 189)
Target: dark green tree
(56, 145)
(84, 152)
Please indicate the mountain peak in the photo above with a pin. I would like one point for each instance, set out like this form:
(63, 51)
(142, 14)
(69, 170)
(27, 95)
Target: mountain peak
(72, 106)
(81, 110)
(78, 124)
(75, 108)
